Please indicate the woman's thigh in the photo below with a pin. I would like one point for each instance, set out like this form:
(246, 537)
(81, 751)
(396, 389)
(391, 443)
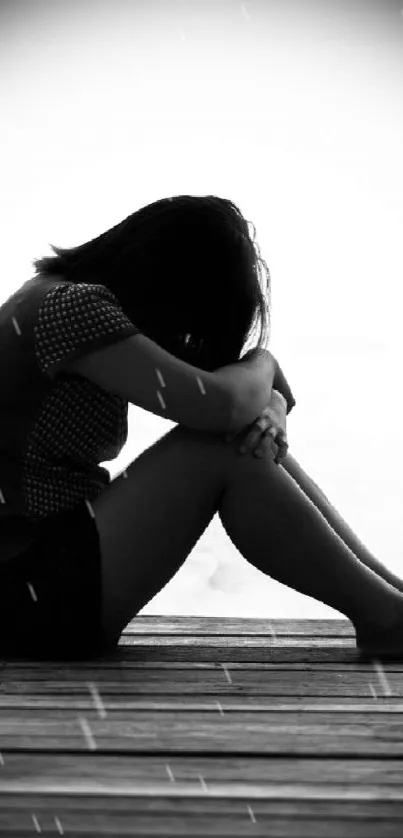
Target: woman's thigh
(151, 516)
(50, 595)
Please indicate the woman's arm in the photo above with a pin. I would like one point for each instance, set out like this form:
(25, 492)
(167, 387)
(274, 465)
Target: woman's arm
(250, 382)
(281, 384)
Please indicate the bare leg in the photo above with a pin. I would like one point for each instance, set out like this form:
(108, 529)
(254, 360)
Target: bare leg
(280, 531)
(150, 519)
(337, 523)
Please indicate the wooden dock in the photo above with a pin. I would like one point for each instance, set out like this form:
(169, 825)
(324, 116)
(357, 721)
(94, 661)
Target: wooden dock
(200, 726)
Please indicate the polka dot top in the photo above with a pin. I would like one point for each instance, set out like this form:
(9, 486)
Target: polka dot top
(55, 428)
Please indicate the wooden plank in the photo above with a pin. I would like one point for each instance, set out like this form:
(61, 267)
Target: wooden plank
(379, 705)
(223, 626)
(248, 642)
(39, 669)
(38, 718)
(209, 816)
(168, 638)
(199, 726)
(81, 791)
(199, 796)
(242, 652)
(271, 734)
(190, 671)
(215, 681)
(118, 770)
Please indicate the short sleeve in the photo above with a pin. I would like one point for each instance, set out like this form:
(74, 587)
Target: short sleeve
(74, 319)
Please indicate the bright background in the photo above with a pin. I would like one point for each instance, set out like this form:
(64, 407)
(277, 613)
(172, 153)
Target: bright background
(293, 110)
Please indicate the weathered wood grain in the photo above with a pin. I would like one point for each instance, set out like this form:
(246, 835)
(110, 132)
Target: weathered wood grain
(205, 726)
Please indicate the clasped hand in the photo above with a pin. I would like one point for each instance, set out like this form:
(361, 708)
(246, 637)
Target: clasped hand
(267, 432)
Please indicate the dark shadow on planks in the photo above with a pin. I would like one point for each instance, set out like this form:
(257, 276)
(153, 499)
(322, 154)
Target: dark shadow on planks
(209, 727)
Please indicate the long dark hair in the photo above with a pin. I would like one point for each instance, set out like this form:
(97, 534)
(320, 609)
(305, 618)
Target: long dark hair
(185, 271)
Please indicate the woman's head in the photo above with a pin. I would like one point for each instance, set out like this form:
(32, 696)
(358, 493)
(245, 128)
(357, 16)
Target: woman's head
(185, 272)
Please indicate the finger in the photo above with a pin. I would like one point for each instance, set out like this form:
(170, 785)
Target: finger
(252, 436)
(251, 441)
(281, 453)
(266, 446)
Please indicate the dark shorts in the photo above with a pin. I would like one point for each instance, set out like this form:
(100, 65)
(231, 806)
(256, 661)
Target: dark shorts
(51, 595)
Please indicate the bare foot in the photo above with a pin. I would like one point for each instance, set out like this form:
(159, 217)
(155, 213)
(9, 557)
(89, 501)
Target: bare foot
(383, 641)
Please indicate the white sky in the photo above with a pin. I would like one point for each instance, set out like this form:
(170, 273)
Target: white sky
(293, 110)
